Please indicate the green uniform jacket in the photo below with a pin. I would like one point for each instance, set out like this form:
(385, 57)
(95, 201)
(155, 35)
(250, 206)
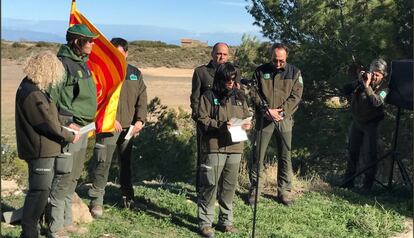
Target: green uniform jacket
(203, 78)
(76, 96)
(281, 88)
(213, 119)
(367, 104)
(132, 105)
(38, 131)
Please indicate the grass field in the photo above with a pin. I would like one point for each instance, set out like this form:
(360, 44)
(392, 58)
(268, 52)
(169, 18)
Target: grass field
(319, 210)
(172, 212)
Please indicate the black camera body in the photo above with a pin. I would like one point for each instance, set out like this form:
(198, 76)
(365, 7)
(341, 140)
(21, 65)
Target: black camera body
(364, 75)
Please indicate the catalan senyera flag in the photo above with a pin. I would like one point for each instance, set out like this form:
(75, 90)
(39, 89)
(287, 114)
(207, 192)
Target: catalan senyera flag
(108, 68)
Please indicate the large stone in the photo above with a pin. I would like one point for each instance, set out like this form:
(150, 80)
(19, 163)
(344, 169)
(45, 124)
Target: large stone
(80, 211)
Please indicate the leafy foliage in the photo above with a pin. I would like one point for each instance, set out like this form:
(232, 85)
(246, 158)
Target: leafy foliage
(330, 41)
(166, 146)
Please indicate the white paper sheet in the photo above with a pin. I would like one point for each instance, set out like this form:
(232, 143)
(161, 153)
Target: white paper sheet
(82, 130)
(129, 133)
(237, 133)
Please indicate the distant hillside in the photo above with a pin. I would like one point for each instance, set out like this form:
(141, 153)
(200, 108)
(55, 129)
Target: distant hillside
(141, 53)
(55, 31)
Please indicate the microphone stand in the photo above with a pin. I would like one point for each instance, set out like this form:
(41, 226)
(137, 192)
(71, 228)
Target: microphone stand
(264, 107)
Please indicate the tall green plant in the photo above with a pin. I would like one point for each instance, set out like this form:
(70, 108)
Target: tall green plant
(166, 146)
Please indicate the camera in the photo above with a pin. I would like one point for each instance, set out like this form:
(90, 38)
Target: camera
(364, 75)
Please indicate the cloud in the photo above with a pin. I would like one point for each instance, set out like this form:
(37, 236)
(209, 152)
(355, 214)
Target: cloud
(241, 3)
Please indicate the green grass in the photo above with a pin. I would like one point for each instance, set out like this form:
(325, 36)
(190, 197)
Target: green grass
(172, 212)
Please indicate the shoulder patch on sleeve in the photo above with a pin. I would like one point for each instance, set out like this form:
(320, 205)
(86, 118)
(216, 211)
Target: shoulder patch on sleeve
(383, 94)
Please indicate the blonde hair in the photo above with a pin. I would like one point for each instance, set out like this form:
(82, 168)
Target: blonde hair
(44, 69)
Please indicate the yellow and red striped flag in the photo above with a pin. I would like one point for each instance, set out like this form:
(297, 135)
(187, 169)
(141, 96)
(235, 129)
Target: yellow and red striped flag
(108, 68)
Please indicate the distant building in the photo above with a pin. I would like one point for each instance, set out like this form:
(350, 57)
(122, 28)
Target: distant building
(192, 43)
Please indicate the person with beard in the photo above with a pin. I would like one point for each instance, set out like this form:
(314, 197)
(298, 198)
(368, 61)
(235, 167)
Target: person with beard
(281, 85)
(220, 157)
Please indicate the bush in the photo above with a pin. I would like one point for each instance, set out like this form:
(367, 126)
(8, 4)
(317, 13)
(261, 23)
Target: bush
(155, 44)
(11, 166)
(18, 45)
(166, 147)
(45, 44)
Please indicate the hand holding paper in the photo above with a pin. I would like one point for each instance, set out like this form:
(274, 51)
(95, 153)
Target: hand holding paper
(238, 128)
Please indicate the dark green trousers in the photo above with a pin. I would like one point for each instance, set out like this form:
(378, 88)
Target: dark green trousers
(284, 164)
(64, 186)
(218, 171)
(107, 147)
(41, 173)
(357, 133)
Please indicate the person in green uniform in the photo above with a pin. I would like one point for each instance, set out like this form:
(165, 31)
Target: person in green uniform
(367, 105)
(39, 134)
(132, 111)
(76, 101)
(220, 156)
(281, 85)
(202, 81)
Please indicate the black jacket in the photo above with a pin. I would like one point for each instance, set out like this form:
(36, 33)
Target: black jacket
(38, 131)
(132, 106)
(367, 104)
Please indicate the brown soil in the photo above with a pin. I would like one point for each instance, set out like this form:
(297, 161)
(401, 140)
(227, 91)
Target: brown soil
(171, 85)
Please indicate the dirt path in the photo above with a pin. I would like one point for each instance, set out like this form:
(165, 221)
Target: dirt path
(171, 85)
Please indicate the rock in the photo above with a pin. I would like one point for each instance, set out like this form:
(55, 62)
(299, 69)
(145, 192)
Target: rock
(80, 211)
(10, 187)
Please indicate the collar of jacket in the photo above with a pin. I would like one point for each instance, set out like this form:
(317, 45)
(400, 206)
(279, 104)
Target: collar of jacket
(276, 70)
(65, 51)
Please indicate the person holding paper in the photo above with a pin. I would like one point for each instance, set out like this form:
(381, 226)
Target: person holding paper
(281, 85)
(39, 134)
(202, 81)
(131, 116)
(220, 156)
(76, 101)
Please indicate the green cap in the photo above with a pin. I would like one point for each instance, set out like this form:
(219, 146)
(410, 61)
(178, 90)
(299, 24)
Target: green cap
(82, 30)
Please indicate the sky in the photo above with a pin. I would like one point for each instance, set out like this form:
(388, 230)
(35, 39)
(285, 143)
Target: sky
(195, 15)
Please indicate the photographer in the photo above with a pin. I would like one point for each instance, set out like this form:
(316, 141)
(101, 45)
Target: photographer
(368, 95)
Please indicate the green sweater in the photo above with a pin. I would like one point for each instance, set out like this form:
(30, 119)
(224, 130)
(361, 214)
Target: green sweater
(75, 96)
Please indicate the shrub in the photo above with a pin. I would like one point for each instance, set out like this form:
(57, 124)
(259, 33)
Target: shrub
(166, 146)
(45, 44)
(155, 44)
(11, 166)
(18, 45)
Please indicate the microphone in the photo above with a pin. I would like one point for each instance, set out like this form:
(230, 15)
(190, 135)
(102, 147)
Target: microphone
(247, 82)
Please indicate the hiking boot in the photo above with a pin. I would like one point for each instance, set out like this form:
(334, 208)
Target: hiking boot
(96, 211)
(227, 229)
(207, 231)
(284, 200)
(58, 234)
(74, 229)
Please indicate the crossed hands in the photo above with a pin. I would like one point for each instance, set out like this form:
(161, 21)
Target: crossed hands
(275, 114)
